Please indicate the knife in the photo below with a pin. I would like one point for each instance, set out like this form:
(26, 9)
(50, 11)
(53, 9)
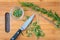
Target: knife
(23, 27)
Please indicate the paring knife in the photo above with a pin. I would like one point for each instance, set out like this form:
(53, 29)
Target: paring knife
(24, 26)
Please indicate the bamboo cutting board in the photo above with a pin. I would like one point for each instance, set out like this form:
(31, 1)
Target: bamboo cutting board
(51, 33)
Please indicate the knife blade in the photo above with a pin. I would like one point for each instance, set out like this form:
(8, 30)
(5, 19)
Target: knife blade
(23, 27)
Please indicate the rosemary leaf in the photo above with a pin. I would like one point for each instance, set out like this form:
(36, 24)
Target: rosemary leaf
(27, 4)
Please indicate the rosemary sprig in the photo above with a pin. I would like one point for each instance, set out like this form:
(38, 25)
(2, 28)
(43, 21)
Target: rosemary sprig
(49, 13)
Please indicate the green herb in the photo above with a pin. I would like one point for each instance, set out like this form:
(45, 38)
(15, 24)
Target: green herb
(56, 17)
(35, 8)
(26, 4)
(58, 24)
(35, 28)
(27, 17)
(34, 24)
(44, 11)
(28, 33)
(49, 13)
(17, 13)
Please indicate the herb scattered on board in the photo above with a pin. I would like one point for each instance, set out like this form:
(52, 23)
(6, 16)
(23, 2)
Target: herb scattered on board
(25, 18)
(35, 29)
(49, 13)
(17, 13)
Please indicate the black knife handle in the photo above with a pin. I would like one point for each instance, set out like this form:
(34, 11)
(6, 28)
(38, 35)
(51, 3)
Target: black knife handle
(16, 34)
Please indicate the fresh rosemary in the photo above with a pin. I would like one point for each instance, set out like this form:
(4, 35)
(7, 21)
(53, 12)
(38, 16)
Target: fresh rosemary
(49, 13)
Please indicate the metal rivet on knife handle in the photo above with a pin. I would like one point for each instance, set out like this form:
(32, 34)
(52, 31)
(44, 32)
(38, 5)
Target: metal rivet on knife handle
(7, 22)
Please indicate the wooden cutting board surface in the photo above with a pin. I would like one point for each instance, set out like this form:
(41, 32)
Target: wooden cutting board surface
(51, 33)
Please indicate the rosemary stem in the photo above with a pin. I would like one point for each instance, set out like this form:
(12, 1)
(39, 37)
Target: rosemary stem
(47, 20)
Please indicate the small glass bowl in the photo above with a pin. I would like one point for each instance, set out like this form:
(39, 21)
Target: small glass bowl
(13, 9)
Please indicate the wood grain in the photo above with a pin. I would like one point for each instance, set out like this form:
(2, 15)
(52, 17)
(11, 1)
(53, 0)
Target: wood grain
(30, 0)
(51, 33)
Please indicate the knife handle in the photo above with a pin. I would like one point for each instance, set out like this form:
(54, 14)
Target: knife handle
(16, 34)
(7, 22)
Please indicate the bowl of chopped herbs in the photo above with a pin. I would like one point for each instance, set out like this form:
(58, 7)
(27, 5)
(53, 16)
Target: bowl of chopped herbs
(17, 12)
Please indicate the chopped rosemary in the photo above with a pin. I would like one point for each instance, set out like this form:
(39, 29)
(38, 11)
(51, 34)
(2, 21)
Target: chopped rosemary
(27, 17)
(17, 13)
(35, 28)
